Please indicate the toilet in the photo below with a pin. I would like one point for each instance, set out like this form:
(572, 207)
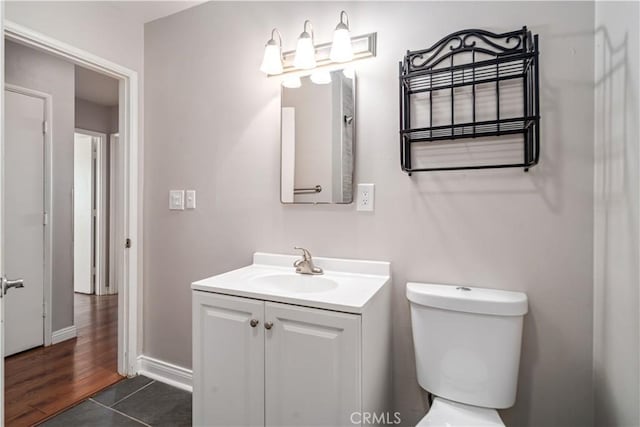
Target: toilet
(467, 344)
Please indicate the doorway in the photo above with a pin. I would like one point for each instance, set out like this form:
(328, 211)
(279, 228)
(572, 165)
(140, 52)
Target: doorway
(45, 150)
(90, 212)
(120, 315)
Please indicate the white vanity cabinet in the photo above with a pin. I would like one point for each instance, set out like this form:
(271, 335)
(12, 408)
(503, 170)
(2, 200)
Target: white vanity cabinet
(260, 360)
(228, 361)
(312, 366)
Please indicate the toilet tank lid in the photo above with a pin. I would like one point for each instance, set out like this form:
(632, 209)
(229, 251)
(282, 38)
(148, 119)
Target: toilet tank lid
(468, 299)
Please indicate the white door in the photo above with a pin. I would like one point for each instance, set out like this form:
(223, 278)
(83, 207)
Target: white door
(83, 214)
(312, 366)
(228, 360)
(24, 220)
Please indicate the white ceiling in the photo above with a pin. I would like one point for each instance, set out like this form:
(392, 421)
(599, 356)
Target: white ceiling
(149, 10)
(96, 87)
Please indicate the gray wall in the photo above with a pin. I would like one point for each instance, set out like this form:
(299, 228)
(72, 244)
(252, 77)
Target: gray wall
(36, 70)
(617, 215)
(96, 117)
(214, 122)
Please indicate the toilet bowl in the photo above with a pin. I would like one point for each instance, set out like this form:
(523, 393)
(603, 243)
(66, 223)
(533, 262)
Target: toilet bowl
(446, 413)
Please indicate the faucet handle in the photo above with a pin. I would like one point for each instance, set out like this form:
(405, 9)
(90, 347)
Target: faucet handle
(305, 253)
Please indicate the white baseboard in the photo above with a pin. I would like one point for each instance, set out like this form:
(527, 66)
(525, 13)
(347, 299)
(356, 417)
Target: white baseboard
(165, 372)
(64, 334)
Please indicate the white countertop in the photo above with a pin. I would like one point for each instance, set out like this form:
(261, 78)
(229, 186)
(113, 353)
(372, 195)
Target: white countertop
(358, 281)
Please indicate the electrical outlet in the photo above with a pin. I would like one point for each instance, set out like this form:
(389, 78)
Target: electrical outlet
(366, 197)
(176, 200)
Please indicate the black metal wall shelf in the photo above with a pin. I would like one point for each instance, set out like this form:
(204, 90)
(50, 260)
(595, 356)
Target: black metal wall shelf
(478, 62)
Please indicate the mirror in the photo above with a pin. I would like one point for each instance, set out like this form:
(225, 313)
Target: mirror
(317, 138)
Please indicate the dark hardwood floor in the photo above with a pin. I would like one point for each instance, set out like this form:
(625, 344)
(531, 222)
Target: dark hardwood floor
(46, 380)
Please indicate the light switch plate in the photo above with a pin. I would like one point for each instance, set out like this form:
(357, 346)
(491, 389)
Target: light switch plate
(176, 200)
(191, 199)
(366, 197)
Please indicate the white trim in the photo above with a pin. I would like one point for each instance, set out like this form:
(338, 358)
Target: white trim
(129, 296)
(47, 205)
(29, 37)
(113, 278)
(64, 334)
(165, 372)
(1, 212)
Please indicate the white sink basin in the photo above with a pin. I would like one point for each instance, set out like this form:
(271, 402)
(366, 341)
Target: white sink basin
(294, 283)
(346, 285)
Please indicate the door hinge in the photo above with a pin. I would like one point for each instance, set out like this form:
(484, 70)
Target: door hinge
(45, 218)
(45, 127)
(44, 310)
(127, 243)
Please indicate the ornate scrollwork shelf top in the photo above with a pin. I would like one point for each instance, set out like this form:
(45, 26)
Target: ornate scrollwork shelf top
(465, 41)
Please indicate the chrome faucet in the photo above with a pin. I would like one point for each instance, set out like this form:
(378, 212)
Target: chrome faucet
(305, 265)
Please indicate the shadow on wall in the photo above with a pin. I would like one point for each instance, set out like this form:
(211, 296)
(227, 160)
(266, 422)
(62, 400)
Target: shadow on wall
(616, 273)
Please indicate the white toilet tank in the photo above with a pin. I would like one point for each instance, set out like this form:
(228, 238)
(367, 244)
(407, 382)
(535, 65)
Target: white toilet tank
(467, 342)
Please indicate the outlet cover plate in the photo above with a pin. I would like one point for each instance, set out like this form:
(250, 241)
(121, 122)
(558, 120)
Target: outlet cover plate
(366, 197)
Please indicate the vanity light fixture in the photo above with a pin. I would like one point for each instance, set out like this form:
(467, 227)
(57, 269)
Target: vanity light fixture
(272, 60)
(341, 48)
(321, 77)
(305, 52)
(307, 57)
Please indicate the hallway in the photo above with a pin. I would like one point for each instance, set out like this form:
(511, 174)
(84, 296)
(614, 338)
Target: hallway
(43, 381)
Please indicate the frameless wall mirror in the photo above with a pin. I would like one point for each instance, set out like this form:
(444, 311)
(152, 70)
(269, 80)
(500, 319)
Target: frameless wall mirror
(317, 138)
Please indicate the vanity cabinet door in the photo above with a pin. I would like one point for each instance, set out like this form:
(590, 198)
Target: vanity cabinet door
(228, 360)
(312, 366)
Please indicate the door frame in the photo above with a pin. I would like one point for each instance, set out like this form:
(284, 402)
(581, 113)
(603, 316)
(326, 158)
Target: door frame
(1, 214)
(128, 221)
(47, 202)
(100, 231)
(111, 268)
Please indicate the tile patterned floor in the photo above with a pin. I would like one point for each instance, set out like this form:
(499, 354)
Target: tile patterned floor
(138, 401)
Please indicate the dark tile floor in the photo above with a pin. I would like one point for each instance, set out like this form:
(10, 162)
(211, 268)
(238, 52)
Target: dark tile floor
(137, 401)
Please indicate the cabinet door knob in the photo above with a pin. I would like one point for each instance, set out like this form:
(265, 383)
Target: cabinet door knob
(268, 325)
(254, 322)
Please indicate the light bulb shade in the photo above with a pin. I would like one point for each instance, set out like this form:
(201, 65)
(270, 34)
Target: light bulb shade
(272, 60)
(321, 77)
(305, 53)
(341, 49)
(292, 82)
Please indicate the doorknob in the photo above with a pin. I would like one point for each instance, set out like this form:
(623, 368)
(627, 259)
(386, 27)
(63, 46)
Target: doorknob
(8, 284)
